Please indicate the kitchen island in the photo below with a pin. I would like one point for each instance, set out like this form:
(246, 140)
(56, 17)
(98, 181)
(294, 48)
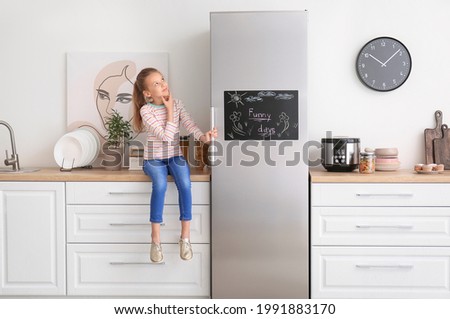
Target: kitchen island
(381, 235)
(87, 233)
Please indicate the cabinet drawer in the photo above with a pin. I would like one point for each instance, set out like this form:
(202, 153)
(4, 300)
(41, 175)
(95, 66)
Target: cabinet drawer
(380, 272)
(358, 194)
(130, 224)
(126, 270)
(128, 193)
(381, 226)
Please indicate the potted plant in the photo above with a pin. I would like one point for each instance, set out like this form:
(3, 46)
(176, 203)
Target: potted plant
(118, 133)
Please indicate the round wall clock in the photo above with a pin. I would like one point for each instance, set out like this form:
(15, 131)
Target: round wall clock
(383, 64)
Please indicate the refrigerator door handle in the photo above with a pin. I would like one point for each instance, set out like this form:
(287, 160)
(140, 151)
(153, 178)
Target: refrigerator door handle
(211, 148)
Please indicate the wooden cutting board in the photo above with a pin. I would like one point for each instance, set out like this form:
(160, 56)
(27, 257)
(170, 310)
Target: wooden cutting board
(442, 148)
(430, 135)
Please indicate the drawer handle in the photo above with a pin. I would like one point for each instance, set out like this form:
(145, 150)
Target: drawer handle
(121, 263)
(385, 226)
(129, 193)
(131, 224)
(385, 266)
(385, 195)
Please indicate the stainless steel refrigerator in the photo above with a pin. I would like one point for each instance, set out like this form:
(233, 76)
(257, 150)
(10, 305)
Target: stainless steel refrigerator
(259, 177)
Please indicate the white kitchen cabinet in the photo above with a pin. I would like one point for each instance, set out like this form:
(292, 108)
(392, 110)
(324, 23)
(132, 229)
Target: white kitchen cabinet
(381, 226)
(134, 193)
(130, 224)
(108, 235)
(126, 270)
(32, 238)
(380, 194)
(380, 272)
(380, 240)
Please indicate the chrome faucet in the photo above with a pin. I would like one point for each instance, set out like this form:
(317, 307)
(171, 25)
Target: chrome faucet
(14, 159)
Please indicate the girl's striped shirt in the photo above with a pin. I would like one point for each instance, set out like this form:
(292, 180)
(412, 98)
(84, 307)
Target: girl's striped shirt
(163, 138)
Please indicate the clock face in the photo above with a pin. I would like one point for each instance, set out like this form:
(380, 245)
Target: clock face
(383, 64)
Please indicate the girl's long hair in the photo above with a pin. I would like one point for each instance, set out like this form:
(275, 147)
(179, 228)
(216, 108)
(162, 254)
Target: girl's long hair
(139, 98)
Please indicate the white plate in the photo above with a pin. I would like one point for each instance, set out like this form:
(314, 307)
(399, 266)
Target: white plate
(77, 148)
(92, 149)
(86, 145)
(68, 152)
(83, 138)
(94, 136)
(430, 173)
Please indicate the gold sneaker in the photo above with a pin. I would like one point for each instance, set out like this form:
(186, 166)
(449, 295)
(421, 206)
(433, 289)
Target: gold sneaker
(156, 254)
(185, 249)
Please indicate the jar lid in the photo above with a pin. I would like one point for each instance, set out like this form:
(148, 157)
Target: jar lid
(368, 154)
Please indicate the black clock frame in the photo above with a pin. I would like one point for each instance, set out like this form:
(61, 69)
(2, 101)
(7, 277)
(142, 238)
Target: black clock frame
(364, 47)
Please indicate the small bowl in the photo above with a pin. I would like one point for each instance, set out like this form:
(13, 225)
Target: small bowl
(386, 160)
(387, 166)
(391, 151)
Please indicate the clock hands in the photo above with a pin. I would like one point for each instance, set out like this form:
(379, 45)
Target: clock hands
(391, 57)
(382, 64)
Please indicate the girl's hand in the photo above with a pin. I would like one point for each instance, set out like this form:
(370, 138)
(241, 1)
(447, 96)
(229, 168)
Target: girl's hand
(168, 102)
(209, 135)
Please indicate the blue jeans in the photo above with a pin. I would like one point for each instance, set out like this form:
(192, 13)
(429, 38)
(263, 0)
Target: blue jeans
(158, 170)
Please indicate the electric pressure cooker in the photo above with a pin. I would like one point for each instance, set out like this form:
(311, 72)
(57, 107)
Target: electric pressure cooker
(340, 154)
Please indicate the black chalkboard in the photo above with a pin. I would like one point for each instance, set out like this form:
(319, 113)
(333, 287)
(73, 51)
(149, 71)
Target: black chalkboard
(261, 115)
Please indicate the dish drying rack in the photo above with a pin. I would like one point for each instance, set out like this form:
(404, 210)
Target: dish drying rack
(63, 169)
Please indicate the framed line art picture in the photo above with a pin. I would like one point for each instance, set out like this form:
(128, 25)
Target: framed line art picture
(98, 83)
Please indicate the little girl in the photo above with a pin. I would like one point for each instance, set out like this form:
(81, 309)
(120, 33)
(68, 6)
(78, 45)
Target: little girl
(161, 116)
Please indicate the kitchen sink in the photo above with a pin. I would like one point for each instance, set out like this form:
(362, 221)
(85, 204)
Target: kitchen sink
(22, 170)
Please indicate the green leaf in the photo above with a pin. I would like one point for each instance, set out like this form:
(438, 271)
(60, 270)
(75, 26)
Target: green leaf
(118, 129)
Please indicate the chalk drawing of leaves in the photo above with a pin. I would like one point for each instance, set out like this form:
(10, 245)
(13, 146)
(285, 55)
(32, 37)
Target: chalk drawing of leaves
(284, 118)
(237, 130)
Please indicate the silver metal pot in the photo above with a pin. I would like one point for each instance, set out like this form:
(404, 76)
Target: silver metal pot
(340, 154)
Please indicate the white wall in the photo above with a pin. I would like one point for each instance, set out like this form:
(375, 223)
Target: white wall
(36, 34)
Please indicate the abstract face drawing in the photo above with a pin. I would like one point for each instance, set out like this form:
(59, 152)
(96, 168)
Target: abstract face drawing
(113, 89)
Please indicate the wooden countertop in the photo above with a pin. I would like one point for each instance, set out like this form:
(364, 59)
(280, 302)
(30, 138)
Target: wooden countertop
(93, 175)
(319, 175)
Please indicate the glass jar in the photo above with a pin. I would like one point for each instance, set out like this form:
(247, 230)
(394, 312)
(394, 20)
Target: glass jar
(199, 155)
(366, 162)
